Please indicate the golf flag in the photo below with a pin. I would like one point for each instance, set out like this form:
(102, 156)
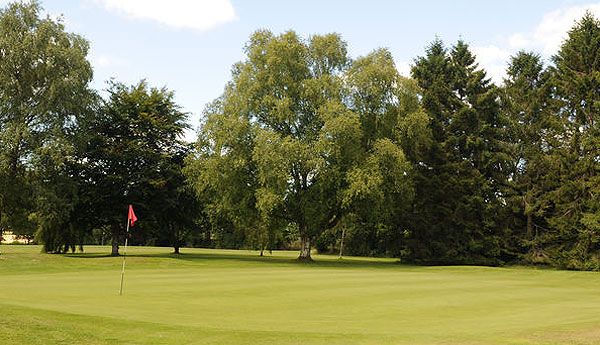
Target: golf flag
(131, 219)
(131, 216)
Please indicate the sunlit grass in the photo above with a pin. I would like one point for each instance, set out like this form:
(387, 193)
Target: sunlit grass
(236, 297)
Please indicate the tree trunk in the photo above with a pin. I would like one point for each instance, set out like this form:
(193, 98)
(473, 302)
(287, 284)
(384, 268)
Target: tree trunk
(529, 226)
(342, 243)
(115, 245)
(176, 250)
(527, 212)
(115, 248)
(305, 249)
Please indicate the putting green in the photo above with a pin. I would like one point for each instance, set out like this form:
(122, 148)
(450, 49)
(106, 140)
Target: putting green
(236, 297)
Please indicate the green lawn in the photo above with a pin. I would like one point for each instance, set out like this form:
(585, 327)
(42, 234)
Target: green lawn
(235, 297)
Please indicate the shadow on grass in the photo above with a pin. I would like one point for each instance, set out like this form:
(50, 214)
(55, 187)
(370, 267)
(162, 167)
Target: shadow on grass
(324, 262)
(87, 255)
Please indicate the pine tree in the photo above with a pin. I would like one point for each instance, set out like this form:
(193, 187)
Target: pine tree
(461, 187)
(575, 219)
(534, 126)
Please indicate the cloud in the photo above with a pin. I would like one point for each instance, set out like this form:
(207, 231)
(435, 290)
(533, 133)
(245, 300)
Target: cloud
(545, 38)
(518, 41)
(552, 30)
(403, 68)
(201, 15)
(105, 60)
(494, 60)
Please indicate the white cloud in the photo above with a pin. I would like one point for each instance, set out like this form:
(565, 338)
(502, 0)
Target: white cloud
(552, 30)
(494, 60)
(105, 60)
(403, 68)
(544, 38)
(518, 41)
(201, 15)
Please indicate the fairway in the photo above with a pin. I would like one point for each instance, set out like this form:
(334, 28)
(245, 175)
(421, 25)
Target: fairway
(236, 297)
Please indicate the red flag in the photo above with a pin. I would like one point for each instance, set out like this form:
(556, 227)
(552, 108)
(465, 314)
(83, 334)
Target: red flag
(131, 216)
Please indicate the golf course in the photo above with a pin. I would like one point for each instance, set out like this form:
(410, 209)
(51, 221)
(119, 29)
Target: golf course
(237, 297)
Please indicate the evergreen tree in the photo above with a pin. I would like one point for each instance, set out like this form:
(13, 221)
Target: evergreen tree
(575, 219)
(534, 126)
(462, 178)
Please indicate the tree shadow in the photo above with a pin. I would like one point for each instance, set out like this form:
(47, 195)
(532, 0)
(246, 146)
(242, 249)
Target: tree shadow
(277, 260)
(87, 255)
(326, 262)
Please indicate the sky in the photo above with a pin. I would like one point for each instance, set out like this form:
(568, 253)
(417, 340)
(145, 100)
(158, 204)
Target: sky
(189, 46)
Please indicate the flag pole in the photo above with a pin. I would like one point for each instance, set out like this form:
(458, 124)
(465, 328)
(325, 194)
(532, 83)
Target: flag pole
(124, 255)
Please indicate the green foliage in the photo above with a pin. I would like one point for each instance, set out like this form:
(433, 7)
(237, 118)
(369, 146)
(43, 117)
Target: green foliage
(553, 116)
(44, 92)
(527, 103)
(307, 146)
(577, 76)
(557, 174)
(461, 175)
(285, 143)
(133, 155)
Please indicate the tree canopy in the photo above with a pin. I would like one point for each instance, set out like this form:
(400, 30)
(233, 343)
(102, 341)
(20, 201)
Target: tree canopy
(308, 147)
(284, 145)
(133, 155)
(44, 92)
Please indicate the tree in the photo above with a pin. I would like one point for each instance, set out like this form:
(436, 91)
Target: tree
(461, 177)
(180, 214)
(528, 104)
(283, 147)
(44, 91)
(574, 223)
(132, 145)
(380, 190)
(265, 131)
(223, 173)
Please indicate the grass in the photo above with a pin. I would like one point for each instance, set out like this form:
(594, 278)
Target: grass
(236, 297)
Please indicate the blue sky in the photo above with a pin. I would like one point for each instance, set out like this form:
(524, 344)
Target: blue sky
(190, 45)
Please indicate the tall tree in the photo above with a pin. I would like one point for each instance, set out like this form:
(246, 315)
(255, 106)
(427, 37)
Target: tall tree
(527, 102)
(44, 90)
(381, 184)
(282, 147)
(131, 145)
(273, 106)
(223, 172)
(461, 177)
(575, 220)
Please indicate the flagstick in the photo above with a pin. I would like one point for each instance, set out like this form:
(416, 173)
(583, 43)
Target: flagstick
(124, 255)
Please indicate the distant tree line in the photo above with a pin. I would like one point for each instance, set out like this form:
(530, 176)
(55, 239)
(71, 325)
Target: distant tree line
(308, 148)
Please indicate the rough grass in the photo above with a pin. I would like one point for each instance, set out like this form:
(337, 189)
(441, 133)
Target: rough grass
(236, 297)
